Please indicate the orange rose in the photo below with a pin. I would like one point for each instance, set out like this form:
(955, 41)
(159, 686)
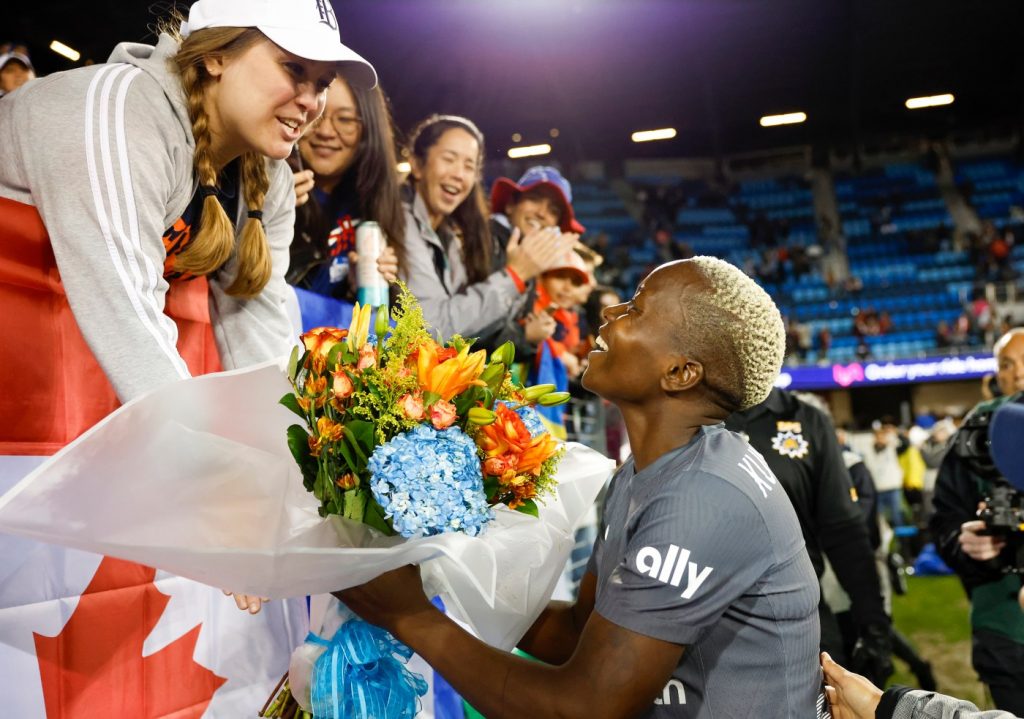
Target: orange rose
(494, 466)
(342, 384)
(412, 406)
(367, 357)
(442, 414)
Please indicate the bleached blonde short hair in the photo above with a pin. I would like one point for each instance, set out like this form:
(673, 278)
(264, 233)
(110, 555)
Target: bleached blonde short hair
(737, 331)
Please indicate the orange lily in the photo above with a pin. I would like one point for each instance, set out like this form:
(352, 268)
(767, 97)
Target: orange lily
(507, 439)
(540, 450)
(320, 340)
(327, 431)
(448, 377)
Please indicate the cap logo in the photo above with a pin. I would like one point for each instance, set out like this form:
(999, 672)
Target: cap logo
(327, 14)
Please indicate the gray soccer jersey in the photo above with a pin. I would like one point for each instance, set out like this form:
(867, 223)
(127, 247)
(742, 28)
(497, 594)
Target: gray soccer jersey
(703, 548)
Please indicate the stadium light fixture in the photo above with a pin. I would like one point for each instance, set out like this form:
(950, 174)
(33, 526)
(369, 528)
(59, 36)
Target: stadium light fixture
(404, 168)
(665, 133)
(69, 52)
(789, 118)
(916, 103)
(529, 151)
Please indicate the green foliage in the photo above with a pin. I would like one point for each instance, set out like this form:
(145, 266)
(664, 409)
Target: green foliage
(290, 401)
(529, 507)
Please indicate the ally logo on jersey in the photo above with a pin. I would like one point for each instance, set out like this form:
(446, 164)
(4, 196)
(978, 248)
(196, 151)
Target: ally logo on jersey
(672, 568)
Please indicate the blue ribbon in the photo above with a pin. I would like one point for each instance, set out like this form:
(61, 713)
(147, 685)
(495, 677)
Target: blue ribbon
(362, 676)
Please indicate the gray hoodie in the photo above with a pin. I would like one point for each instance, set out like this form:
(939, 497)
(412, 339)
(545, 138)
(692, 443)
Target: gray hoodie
(104, 153)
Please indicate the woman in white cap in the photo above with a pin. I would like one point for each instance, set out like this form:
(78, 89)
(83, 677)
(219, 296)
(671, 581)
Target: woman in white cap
(164, 164)
(120, 183)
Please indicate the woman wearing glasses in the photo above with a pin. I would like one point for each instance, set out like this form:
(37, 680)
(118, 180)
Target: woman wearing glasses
(347, 174)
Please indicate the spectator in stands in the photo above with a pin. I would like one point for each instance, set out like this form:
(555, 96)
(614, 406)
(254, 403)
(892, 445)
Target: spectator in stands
(800, 262)
(15, 69)
(884, 322)
(792, 339)
(863, 350)
(824, 343)
(981, 559)
(980, 317)
(770, 269)
(852, 285)
(558, 293)
(943, 335)
(960, 335)
(866, 322)
(538, 205)
(349, 154)
(449, 261)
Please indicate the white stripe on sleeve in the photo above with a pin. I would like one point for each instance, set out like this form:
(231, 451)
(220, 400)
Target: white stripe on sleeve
(160, 326)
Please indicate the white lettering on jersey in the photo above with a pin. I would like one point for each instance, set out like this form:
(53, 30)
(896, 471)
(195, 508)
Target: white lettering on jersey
(666, 693)
(754, 465)
(670, 568)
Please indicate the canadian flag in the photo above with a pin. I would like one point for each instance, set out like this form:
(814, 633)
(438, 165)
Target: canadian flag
(88, 636)
(82, 635)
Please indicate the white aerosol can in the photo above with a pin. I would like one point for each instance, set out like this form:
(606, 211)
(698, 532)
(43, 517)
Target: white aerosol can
(371, 287)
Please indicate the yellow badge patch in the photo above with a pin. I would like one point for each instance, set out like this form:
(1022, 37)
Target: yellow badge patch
(790, 444)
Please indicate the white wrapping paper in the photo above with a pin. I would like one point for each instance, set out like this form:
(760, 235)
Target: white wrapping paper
(195, 478)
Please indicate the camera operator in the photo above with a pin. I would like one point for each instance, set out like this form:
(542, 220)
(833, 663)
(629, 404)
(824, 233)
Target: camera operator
(984, 561)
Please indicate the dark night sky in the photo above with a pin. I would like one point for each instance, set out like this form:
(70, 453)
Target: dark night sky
(599, 69)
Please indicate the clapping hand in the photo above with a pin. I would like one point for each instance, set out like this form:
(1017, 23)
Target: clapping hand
(538, 251)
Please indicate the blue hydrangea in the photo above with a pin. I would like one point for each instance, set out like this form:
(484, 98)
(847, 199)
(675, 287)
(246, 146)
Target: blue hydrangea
(531, 418)
(429, 482)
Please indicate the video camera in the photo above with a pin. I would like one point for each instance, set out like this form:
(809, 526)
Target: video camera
(991, 441)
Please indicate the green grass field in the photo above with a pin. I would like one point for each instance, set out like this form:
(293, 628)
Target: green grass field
(933, 616)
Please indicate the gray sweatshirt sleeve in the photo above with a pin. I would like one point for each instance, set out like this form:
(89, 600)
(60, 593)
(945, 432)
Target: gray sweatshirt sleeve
(101, 171)
(920, 704)
(255, 330)
(471, 311)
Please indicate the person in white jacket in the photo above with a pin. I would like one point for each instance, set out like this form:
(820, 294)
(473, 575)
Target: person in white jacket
(167, 162)
(146, 213)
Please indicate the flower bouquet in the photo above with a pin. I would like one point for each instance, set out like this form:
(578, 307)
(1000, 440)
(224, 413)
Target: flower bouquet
(196, 478)
(413, 437)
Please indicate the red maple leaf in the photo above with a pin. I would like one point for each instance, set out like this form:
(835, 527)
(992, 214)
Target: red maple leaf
(95, 667)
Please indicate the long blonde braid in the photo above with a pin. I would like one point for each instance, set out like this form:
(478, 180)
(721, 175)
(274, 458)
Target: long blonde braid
(253, 251)
(214, 241)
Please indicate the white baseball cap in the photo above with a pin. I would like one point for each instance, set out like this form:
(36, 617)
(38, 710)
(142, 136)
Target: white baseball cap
(305, 28)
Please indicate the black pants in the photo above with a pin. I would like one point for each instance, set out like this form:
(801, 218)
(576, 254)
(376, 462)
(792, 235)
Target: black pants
(999, 662)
